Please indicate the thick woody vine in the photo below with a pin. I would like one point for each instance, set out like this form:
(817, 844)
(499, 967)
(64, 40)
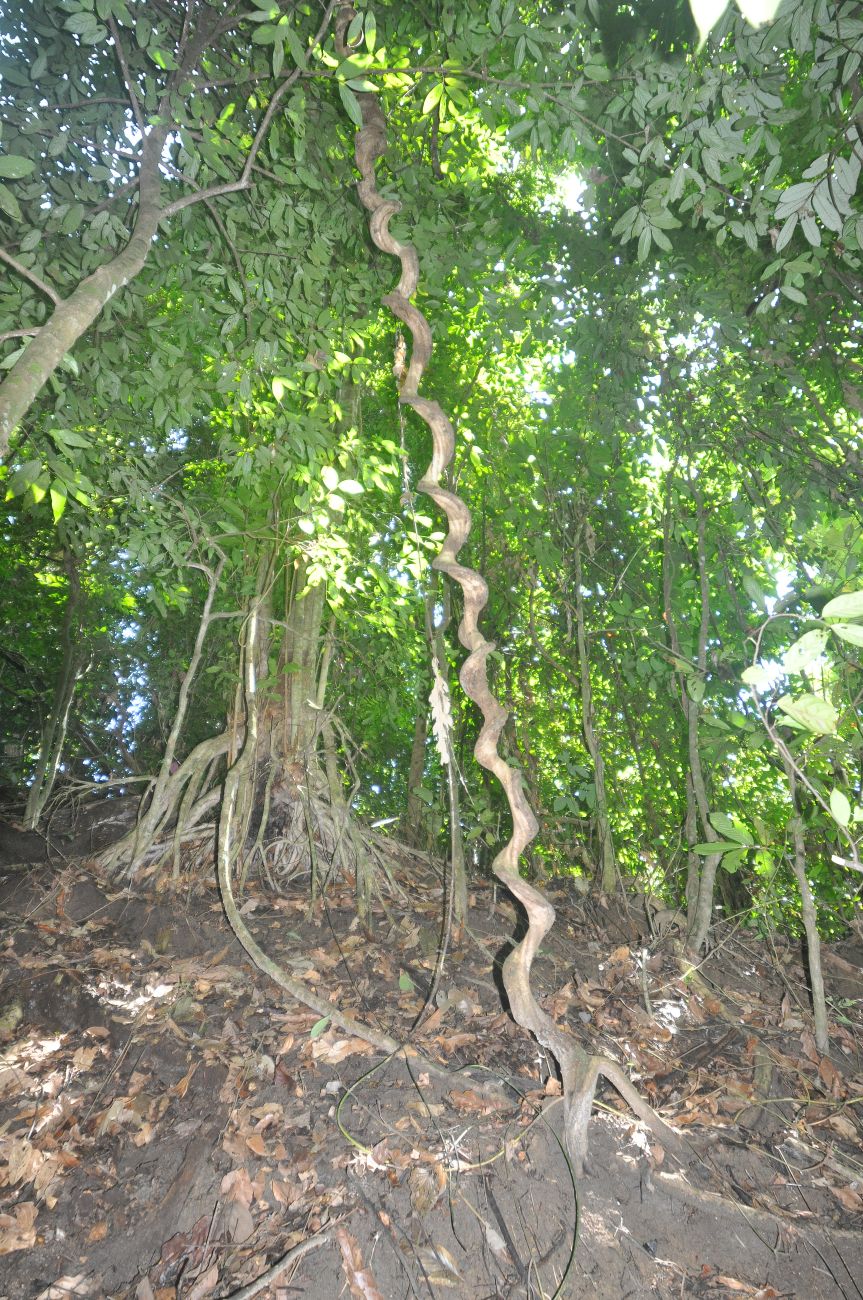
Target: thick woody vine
(580, 1072)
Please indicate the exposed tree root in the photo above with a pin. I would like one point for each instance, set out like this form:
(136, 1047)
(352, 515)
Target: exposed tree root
(579, 1071)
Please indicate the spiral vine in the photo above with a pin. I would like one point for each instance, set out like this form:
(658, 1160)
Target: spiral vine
(580, 1072)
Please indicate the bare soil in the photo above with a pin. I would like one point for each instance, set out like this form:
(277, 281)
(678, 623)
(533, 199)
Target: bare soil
(171, 1127)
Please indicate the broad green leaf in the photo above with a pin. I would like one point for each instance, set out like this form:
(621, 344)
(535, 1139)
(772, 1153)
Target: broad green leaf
(754, 592)
(13, 166)
(806, 650)
(849, 605)
(432, 98)
(730, 862)
(9, 204)
(725, 826)
(330, 477)
(851, 632)
(350, 487)
(351, 103)
(406, 984)
(757, 677)
(58, 499)
(812, 712)
(840, 807)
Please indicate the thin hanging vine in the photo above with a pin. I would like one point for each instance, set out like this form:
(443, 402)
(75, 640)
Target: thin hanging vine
(580, 1072)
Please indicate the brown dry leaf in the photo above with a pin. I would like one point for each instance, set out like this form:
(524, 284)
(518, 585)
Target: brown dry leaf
(256, 1144)
(17, 1230)
(842, 1125)
(807, 1043)
(848, 1197)
(237, 1186)
(620, 954)
(360, 1279)
(23, 1161)
(427, 1185)
(284, 1192)
(99, 1231)
(84, 1057)
(474, 1103)
(451, 1042)
(180, 1088)
(206, 1284)
(333, 1050)
(425, 1108)
(831, 1078)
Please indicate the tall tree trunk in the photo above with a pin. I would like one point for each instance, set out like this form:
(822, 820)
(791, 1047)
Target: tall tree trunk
(437, 643)
(413, 819)
(607, 862)
(56, 725)
(700, 882)
(810, 917)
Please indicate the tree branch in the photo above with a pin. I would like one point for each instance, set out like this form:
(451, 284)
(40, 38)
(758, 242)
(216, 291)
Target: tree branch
(19, 334)
(127, 77)
(31, 276)
(202, 196)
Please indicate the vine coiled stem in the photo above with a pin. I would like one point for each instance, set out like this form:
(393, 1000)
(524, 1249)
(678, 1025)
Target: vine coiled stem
(580, 1072)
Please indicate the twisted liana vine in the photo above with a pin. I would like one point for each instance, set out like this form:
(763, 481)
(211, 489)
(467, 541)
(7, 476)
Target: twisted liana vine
(579, 1071)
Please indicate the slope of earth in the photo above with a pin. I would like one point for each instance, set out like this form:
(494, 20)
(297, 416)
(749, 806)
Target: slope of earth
(171, 1127)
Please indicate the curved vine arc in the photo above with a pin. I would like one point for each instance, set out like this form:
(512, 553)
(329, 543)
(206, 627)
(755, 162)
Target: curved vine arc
(580, 1072)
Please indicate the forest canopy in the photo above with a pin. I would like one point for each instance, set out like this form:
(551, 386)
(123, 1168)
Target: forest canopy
(641, 261)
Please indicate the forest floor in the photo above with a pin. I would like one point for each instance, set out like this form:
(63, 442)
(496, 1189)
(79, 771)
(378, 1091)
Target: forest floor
(170, 1126)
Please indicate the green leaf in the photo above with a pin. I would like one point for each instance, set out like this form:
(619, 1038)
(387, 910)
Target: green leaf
(812, 712)
(351, 487)
(757, 677)
(13, 166)
(9, 204)
(68, 438)
(371, 30)
(849, 605)
(725, 826)
(730, 862)
(806, 650)
(330, 477)
(351, 103)
(850, 632)
(319, 1026)
(717, 846)
(840, 807)
(58, 499)
(432, 98)
(406, 984)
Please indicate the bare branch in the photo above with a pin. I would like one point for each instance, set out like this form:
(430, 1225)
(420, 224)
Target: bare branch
(124, 67)
(201, 196)
(31, 276)
(19, 334)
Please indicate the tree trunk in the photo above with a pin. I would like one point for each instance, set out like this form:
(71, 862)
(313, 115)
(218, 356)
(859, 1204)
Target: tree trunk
(699, 883)
(56, 726)
(413, 820)
(74, 315)
(607, 862)
(810, 917)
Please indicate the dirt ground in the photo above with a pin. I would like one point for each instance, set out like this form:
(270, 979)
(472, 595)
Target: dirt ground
(170, 1126)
